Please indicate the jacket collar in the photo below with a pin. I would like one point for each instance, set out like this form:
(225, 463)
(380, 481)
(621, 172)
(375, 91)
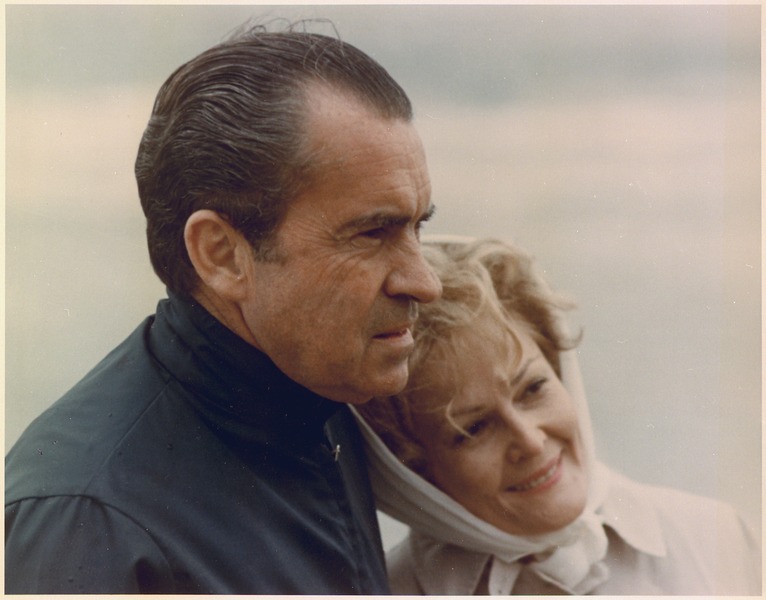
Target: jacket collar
(632, 517)
(445, 569)
(236, 387)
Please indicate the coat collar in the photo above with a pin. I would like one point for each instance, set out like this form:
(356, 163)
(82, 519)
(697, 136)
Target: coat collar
(444, 569)
(632, 518)
(236, 387)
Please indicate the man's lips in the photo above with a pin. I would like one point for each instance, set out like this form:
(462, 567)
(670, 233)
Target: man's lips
(539, 478)
(395, 324)
(395, 332)
(398, 339)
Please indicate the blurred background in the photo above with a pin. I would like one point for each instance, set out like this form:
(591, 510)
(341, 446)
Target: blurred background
(620, 145)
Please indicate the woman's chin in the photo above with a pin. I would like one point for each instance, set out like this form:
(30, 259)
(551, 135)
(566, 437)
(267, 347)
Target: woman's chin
(553, 515)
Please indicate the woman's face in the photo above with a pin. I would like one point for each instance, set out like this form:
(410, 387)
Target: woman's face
(522, 468)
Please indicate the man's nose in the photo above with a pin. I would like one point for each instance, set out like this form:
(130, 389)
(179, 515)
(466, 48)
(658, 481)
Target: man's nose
(412, 276)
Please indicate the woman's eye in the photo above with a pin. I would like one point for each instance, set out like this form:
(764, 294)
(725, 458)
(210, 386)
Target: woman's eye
(471, 432)
(534, 388)
(476, 428)
(459, 439)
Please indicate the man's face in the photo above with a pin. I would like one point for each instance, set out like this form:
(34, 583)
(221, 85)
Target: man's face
(335, 314)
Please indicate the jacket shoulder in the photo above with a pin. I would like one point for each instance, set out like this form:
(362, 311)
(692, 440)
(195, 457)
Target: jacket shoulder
(707, 547)
(62, 449)
(98, 549)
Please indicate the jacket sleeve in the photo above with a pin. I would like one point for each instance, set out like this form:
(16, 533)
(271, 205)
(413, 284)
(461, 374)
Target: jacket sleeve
(76, 545)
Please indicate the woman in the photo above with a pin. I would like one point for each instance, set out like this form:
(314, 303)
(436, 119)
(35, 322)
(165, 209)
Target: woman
(488, 456)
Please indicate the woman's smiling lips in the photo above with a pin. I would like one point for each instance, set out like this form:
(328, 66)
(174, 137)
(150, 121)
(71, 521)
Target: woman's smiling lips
(542, 479)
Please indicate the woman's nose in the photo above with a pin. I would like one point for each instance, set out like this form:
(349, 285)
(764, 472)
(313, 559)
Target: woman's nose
(526, 437)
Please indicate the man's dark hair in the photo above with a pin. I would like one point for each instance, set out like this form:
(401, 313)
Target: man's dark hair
(227, 133)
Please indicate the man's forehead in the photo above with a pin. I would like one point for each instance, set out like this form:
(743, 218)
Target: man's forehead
(332, 111)
(325, 99)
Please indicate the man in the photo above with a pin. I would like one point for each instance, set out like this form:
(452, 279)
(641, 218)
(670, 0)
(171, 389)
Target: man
(212, 452)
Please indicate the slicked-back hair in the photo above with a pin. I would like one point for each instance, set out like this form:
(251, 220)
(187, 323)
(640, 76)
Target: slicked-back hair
(228, 133)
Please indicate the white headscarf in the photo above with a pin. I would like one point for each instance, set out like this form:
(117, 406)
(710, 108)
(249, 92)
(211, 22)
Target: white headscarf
(569, 558)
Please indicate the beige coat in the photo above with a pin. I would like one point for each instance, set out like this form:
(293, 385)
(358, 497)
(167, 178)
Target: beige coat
(661, 541)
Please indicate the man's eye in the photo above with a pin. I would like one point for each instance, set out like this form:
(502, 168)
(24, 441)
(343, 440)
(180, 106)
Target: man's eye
(376, 233)
(369, 237)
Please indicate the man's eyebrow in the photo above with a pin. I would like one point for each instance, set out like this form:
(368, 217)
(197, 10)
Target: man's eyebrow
(382, 220)
(373, 221)
(428, 214)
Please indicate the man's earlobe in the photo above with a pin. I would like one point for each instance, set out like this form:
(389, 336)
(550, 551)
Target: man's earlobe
(216, 251)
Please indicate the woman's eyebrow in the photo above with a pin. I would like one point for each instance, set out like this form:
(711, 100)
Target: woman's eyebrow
(523, 370)
(479, 408)
(468, 410)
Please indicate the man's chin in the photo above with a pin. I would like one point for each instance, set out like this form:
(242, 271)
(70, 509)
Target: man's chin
(389, 385)
(385, 380)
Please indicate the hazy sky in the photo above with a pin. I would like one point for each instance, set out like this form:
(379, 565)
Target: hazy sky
(470, 55)
(619, 144)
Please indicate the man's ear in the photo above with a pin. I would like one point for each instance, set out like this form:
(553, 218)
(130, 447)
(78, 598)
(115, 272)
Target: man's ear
(218, 252)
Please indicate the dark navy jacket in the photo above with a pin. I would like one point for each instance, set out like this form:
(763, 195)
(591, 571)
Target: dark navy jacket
(186, 462)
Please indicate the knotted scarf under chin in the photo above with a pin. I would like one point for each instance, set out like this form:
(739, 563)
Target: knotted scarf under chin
(576, 568)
